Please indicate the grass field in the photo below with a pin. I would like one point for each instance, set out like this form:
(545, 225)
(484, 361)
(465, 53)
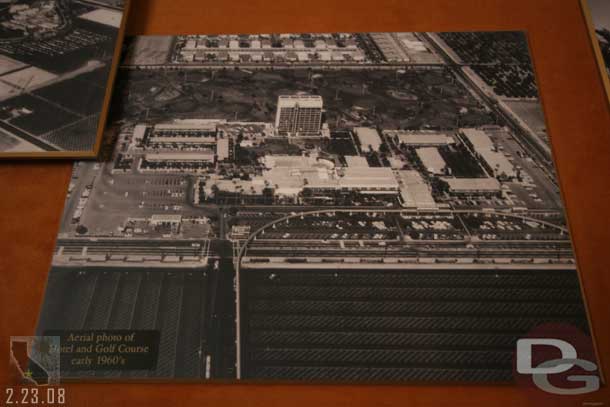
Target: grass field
(350, 97)
(77, 136)
(462, 164)
(86, 101)
(44, 117)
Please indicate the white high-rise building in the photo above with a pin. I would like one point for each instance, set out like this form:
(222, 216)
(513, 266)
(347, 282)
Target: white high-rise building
(299, 115)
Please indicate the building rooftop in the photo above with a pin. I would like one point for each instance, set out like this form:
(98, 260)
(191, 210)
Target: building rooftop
(431, 159)
(191, 139)
(194, 124)
(165, 218)
(415, 193)
(498, 162)
(478, 138)
(254, 186)
(424, 138)
(181, 156)
(373, 178)
(356, 161)
(368, 136)
(295, 161)
(484, 146)
(139, 131)
(312, 101)
(473, 184)
(289, 175)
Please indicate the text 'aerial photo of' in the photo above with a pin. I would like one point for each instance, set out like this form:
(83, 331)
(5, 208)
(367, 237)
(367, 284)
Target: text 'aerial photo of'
(345, 207)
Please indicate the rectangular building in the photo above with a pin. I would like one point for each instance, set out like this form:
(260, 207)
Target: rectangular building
(369, 138)
(356, 161)
(292, 177)
(431, 159)
(495, 162)
(420, 138)
(473, 186)
(414, 192)
(299, 115)
(180, 157)
(378, 180)
(187, 138)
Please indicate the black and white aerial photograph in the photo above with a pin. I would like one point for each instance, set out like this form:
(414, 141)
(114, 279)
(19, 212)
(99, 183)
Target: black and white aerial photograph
(600, 16)
(55, 63)
(317, 207)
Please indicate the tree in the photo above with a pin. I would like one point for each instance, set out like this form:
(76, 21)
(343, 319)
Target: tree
(439, 185)
(82, 229)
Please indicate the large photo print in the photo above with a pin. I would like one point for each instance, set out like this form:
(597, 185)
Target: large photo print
(372, 207)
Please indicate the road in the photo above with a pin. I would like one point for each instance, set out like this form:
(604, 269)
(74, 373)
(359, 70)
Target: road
(276, 249)
(221, 314)
(85, 175)
(269, 65)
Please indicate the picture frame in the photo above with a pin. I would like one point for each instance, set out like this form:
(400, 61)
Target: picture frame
(589, 11)
(40, 116)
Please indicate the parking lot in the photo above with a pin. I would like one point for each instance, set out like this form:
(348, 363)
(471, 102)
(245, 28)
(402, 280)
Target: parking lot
(347, 324)
(408, 227)
(118, 197)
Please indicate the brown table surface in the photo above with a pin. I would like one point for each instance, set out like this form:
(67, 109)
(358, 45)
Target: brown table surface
(577, 111)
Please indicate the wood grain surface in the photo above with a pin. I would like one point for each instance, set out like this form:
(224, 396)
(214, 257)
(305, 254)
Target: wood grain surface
(578, 118)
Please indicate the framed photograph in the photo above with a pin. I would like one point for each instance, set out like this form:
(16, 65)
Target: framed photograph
(597, 14)
(316, 207)
(58, 59)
